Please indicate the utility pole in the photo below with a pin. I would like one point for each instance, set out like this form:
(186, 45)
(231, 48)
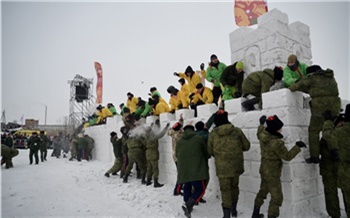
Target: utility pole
(45, 113)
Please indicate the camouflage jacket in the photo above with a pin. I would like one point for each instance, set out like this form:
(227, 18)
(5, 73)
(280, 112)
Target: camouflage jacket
(272, 151)
(339, 137)
(258, 82)
(175, 136)
(323, 89)
(152, 152)
(226, 144)
(135, 145)
(117, 146)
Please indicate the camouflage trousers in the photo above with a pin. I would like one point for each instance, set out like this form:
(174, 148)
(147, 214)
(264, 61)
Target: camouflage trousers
(274, 187)
(229, 191)
(139, 157)
(118, 162)
(74, 150)
(7, 154)
(315, 127)
(152, 169)
(330, 188)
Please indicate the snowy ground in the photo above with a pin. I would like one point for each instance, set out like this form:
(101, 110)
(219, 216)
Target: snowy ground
(60, 188)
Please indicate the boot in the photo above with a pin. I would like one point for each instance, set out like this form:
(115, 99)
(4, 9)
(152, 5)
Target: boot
(227, 212)
(311, 160)
(270, 216)
(122, 174)
(234, 209)
(115, 174)
(2, 162)
(149, 181)
(188, 207)
(107, 175)
(143, 180)
(256, 213)
(249, 104)
(125, 179)
(157, 184)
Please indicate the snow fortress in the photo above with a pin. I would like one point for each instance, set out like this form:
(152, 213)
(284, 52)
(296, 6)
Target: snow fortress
(268, 45)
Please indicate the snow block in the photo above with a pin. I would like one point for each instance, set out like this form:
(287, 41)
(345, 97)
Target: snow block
(282, 98)
(166, 117)
(186, 114)
(206, 110)
(273, 16)
(234, 106)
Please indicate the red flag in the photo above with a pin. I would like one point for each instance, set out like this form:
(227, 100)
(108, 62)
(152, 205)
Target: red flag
(99, 73)
(248, 11)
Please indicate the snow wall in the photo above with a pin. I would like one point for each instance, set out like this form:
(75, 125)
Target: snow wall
(268, 45)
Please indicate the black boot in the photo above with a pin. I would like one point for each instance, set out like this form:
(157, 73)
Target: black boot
(188, 207)
(249, 104)
(234, 209)
(122, 174)
(107, 175)
(157, 184)
(125, 179)
(143, 181)
(149, 181)
(314, 160)
(227, 212)
(256, 213)
(270, 216)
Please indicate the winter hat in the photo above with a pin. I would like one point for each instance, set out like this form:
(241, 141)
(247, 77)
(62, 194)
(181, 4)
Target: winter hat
(141, 103)
(347, 113)
(278, 73)
(240, 65)
(170, 89)
(199, 125)
(152, 89)
(189, 127)
(177, 126)
(182, 80)
(292, 58)
(113, 134)
(121, 105)
(99, 107)
(220, 118)
(151, 101)
(213, 56)
(129, 93)
(313, 68)
(189, 70)
(199, 86)
(273, 123)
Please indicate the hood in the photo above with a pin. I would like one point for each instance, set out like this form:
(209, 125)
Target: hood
(266, 136)
(188, 133)
(270, 72)
(327, 73)
(225, 129)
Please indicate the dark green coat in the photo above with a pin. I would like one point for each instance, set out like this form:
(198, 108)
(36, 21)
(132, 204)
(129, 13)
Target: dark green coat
(323, 89)
(152, 152)
(34, 143)
(339, 137)
(192, 158)
(226, 144)
(230, 77)
(82, 143)
(44, 141)
(136, 145)
(117, 146)
(272, 151)
(258, 82)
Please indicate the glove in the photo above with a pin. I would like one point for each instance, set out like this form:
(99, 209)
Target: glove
(300, 144)
(327, 115)
(167, 125)
(176, 74)
(335, 155)
(262, 120)
(191, 95)
(238, 94)
(202, 66)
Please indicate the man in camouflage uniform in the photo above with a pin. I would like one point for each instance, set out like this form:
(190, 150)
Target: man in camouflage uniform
(125, 133)
(339, 139)
(7, 154)
(117, 150)
(74, 147)
(231, 81)
(43, 146)
(273, 151)
(34, 144)
(90, 147)
(257, 83)
(136, 154)
(82, 145)
(175, 133)
(323, 90)
(152, 155)
(226, 144)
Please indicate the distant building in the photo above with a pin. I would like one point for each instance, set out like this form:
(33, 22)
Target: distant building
(31, 124)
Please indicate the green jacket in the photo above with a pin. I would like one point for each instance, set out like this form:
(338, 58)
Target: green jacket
(44, 141)
(323, 89)
(339, 137)
(291, 76)
(152, 152)
(82, 143)
(215, 73)
(226, 144)
(113, 110)
(230, 77)
(192, 158)
(146, 111)
(273, 150)
(117, 146)
(258, 82)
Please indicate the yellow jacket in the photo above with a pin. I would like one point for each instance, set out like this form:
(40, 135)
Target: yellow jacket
(161, 107)
(206, 96)
(192, 82)
(186, 90)
(132, 104)
(180, 98)
(103, 114)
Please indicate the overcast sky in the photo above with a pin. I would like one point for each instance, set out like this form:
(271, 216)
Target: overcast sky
(138, 44)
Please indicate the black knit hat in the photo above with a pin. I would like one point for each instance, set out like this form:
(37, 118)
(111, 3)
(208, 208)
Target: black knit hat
(278, 73)
(129, 93)
(170, 89)
(199, 125)
(220, 118)
(313, 68)
(99, 107)
(152, 89)
(182, 80)
(273, 123)
(189, 70)
(151, 101)
(213, 56)
(113, 134)
(347, 113)
(189, 127)
(199, 86)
